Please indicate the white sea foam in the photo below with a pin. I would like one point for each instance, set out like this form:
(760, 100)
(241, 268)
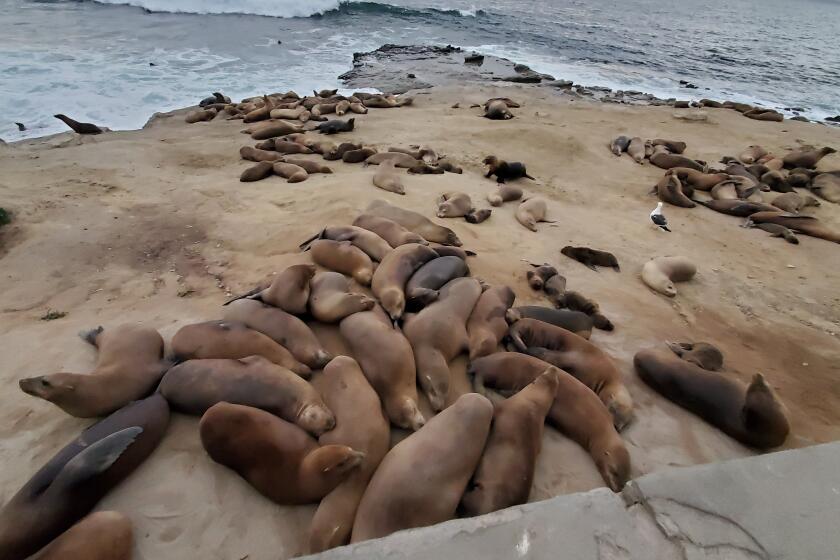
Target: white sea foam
(273, 8)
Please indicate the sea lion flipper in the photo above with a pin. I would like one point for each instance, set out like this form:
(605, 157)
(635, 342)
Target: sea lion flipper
(250, 294)
(89, 336)
(97, 458)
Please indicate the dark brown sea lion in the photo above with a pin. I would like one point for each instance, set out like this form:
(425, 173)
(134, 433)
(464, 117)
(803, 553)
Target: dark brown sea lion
(478, 216)
(389, 230)
(487, 325)
(415, 222)
(339, 151)
(775, 230)
(257, 172)
(555, 286)
(83, 128)
(776, 181)
(740, 208)
(665, 160)
(806, 158)
(358, 155)
(807, 225)
(751, 414)
(702, 354)
(335, 126)
(258, 155)
(129, 366)
(537, 277)
(760, 114)
(578, 302)
(619, 145)
(343, 257)
(392, 274)
(70, 485)
(574, 321)
(591, 257)
(674, 146)
(102, 535)
(505, 171)
(423, 286)
(331, 299)
(697, 179)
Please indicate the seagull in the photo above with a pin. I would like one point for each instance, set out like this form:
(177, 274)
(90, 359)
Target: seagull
(658, 218)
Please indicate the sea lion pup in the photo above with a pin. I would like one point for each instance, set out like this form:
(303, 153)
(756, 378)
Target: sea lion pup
(422, 288)
(102, 535)
(670, 190)
(288, 290)
(232, 340)
(194, 386)
(760, 114)
(752, 154)
(438, 334)
(619, 145)
(273, 130)
(664, 160)
(806, 158)
(281, 327)
(578, 357)
(574, 321)
(497, 110)
(793, 202)
(487, 325)
(775, 230)
(343, 257)
(697, 179)
(660, 273)
(532, 211)
(591, 257)
(577, 412)
(129, 366)
(827, 186)
(257, 154)
(674, 146)
(422, 479)
(356, 156)
(393, 273)
(453, 205)
(389, 230)
(387, 361)
(281, 461)
(362, 426)
(537, 277)
(504, 193)
(372, 244)
(636, 149)
(257, 172)
(740, 208)
(83, 128)
(192, 117)
(336, 126)
(415, 222)
(505, 171)
(387, 178)
(798, 180)
(806, 225)
(505, 472)
(285, 147)
(478, 216)
(752, 414)
(70, 484)
(578, 302)
(331, 299)
(399, 159)
(308, 165)
(702, 354)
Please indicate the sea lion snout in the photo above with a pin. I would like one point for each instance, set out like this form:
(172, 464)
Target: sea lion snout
(35, 386)
(316, 419)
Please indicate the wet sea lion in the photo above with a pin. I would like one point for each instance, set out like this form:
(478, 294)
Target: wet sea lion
(674, 146)
(740, 208)
(387, 361)
(670, 190)
(777, 231)
(660, 273)
(487, 325)
(288, 290)
(401, 160)
(505, 171)
(505, 472)
(578, 302)
(664, 160)
(70, 484)
(636, 149)
(389, 230)
(532, 211)
(827, 186)
(577, 411)
(619, 145)
(697, 179)
(504, 193)
(281, 461)
(372, 244)
(292, 173)
(258, 155)
(274, 129)
(591, 257)
(331, 300)
(387, 178)
(393, 273)
(336, 126)
(807, 225)
(424, 284)
(453, 205)
(308, 165)
(537, 277)
(752, 154)
(102, 535)
(574, 321)
(421, 480)
(581, 359)
(793, 202)
(357, 156)
(232, 340)
(752, 414)
(360, 425)
(257, 172)
(343, 257)
(83, 128)
(806, 158)
(702, 354)
(497, 110)
(415, 222)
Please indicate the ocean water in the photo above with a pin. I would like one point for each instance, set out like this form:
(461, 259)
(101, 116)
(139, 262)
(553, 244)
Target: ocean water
(115, 62)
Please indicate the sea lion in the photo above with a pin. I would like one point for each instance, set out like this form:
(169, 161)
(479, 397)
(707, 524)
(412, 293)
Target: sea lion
(776, 181)
(674, 146)
(129, 366)
(619, 145)
(424, 153)
(324, 109)
(740, 208)
(102, 535)
(387, 361)
(636, 149)
(358, 108)
(760, 114)
(292, 173)
(284, 147)
(670, 190)
(361, 426)
(336, 126)
(697, 179)
(404, 161)
(422, 479)
(194, 386)
(453, 205)
(702, 354)
(257, 172)
(752, 154)
(261, 113)
(281, 327)
(389, 230)
(487, 325)
(555, 286)
(83, 128)
(372, 244)
(579, 358)
(450, 251)
(735, 188)
(537, 277)
(591, 257)
(807, 225)
(649, 149)
(793, 202)
(423, 168)
(358, 155)
(192, 117)
(773, 163)
(338, 152)
(232, 340)
(758, 169)
(415, 222)
(323, 147)
(504, 193)
(577, 411)
(532, 211)
(288, 290)
(289, 114)
(438, 334)
(281, 461)
(752, 414)
(424, 284)
(497, 111)
(70, 484)
(578, 302)
(308, 165)
(477, 216)
(387, 178)
(505, 171)
(343, 257)
(574, 321)
(660, 273)
(710, 103)
(737, 106)
(806, 158)
(664, 160)
(257, 154)
(505, 472)
(274, 129)
(331, 299)
(775, 230)
(393, 273)
(827, 187)
(449, 166)
(798, 180)
(325, 92)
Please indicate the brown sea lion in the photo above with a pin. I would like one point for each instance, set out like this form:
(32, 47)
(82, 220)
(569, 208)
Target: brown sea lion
(343, 257)
(497, 110)
(423, 168)
(702, 354)
(424, 153)
(258, 155)
(331, 299)
(578, 302)
(827, 186)
(504, 193)
(84, 128)
(576, 412)
(281, 327)
(288, 290)
(358, 155)
(505, 472)
(257, 172)
(422, 479)
(372, 244)
(505, 171)
(338, 152)
(308, 165)
(232, 340)
(760, 114)
(793, 202)
(415, 222)
(129, 366)
(740, 208)
(70, 484)
(393, 273)
(387, 178)
(776, 181)
(361, 426)
(192, 117)
(806, 158)
(261, 113)
(752, 154)
(751, 414)
(537, 277)
(387, 361)
(531, 212)
(636, 149)
(389, 230)
(578, 357)
(487, 325)
(555, 286)
(275, 129)
(660, 273)
(424, 284)
(323, 147)
(478, 216)
(697, 179)
(358, 108)
(102, 535)
(674, 146)
(450, 251)
(807, 225)
(736, 188)
(325, 109)
(665, 160)
(453, 205)
(775, 230)
(399, 159)
(591, 257)
(281, 461)
(292, 173)
(619, 145)
(289, 114)
(574, 321)
(284, 147)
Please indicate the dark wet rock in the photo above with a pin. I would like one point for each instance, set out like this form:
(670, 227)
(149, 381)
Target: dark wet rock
(799, 118)
(474, 58)
(562, 84)
(681, 105)
(833, 119)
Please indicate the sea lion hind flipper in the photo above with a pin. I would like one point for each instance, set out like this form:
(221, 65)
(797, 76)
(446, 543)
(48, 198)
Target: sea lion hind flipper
(305, 245)
(250, 294)
(91, 335)
(97, 457)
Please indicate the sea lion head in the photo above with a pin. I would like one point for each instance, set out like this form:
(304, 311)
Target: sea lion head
(764, 413)
(56, 388)
(620, 405)
(512, 315)
(408, 415)
(492, 161)
(393, 301)
(316, 419)
(828, 150)
(613, 463)
(452, 239)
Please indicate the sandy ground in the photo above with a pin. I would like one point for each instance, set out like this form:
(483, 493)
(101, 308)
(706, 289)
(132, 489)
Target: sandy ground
(153, 226)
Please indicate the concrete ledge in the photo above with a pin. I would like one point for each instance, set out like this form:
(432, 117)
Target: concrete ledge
(783, 505)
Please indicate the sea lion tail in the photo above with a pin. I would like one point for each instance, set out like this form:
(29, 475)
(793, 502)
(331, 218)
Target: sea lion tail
(91, 335)
(528, 177)
(602, 322)
(305, 245)
(251, 294)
